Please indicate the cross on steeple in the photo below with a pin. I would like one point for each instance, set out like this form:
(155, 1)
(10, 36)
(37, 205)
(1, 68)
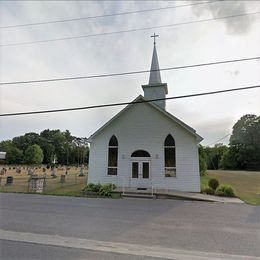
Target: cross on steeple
(154, 35)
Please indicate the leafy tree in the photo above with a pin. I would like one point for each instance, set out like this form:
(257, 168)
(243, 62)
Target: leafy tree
(48, 151)
(202, 161)
(13, 154)
(214, 155)
(23, 142)
(229, 159)
(33, 154)
(244, 151)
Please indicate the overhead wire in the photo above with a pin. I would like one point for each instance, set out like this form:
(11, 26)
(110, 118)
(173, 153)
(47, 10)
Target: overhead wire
(127, 73)
(222, 138)
(126, 103)
(107, 15)
(127, 31)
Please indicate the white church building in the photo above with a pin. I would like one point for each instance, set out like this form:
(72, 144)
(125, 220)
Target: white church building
(144, 146)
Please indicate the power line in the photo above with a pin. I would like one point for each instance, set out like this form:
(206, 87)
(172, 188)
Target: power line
(126, 103)
(218, 140)
(126, 31)
(106, 15)
(126, 73)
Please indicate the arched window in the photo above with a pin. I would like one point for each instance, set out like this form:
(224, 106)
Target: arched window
(112, 156)
(140, 153)
(169, 157)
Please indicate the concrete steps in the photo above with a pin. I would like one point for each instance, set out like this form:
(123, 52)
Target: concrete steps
(138, 195)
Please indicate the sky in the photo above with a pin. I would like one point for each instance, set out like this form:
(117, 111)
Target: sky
(211, 116)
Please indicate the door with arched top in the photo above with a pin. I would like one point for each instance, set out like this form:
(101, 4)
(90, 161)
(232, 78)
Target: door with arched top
(140, 169)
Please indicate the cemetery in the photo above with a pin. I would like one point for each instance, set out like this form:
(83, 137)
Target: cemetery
(40, 179)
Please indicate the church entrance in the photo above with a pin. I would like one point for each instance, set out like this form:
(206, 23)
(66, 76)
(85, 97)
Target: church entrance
(140, 169)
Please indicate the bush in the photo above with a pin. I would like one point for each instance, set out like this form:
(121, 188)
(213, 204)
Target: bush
(209, 191)
(106, 189)
(213, 184)
(102, 190)
(91, 187)
(225, 191)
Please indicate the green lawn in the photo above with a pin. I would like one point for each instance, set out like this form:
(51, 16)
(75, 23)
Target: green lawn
(246, 184)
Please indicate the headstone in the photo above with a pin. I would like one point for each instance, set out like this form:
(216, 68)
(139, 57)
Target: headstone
(36, 184)
(53, 172)
(29, 171)
(81, 172)
(62, 178)
(9, 180)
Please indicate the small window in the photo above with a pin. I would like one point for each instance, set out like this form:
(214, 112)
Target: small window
(145, 170)
(135, 170)
(112, 156)
(113, 141)
(140, 153)
(169, 157)
(169, 141)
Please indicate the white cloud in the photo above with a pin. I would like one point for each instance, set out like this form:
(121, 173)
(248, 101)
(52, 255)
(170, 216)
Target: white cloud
(212, 116)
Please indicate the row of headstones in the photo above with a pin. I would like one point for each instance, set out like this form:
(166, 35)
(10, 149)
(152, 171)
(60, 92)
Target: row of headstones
(30, 170)
(10, 179)
(44, 168)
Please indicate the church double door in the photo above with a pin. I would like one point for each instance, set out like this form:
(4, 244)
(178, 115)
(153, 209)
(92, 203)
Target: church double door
(140, 174)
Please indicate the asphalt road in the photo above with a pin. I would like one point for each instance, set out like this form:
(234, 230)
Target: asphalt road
(182, 225)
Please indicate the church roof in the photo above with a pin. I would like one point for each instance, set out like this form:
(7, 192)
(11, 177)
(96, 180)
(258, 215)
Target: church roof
(141, 98)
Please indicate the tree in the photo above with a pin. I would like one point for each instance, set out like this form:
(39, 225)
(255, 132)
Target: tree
(13, 154)
(244, 151)
(214, 155)
(202, 161)
(33, 154)
(24, 141)
(229, 159)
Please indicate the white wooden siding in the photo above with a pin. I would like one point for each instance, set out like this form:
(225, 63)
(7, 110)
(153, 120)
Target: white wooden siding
(143, 127)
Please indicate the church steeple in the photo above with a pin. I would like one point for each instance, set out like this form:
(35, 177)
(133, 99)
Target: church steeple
(155, 88)
(155, 76)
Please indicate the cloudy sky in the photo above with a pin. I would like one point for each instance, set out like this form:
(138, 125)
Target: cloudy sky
(211, 116)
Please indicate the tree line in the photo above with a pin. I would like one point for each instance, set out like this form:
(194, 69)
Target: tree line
(243, 151)
(50, 146)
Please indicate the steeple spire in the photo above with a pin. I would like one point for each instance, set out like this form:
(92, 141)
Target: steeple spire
(155, 89)
(155, 76)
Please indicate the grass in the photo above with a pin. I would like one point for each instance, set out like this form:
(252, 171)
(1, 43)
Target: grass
(246, 184)
(72, 186)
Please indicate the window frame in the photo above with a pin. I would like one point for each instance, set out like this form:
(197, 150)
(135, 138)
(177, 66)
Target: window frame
(109, 154)
(165, 147)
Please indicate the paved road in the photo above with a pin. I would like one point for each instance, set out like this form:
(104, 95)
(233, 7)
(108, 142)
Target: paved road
(179, 225)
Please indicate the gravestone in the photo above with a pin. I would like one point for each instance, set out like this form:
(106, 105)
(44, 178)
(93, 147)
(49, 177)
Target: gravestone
(9, 180)
(62, 178)
(53, 172)
(81, 172)
(37, 184)
(29, 171)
